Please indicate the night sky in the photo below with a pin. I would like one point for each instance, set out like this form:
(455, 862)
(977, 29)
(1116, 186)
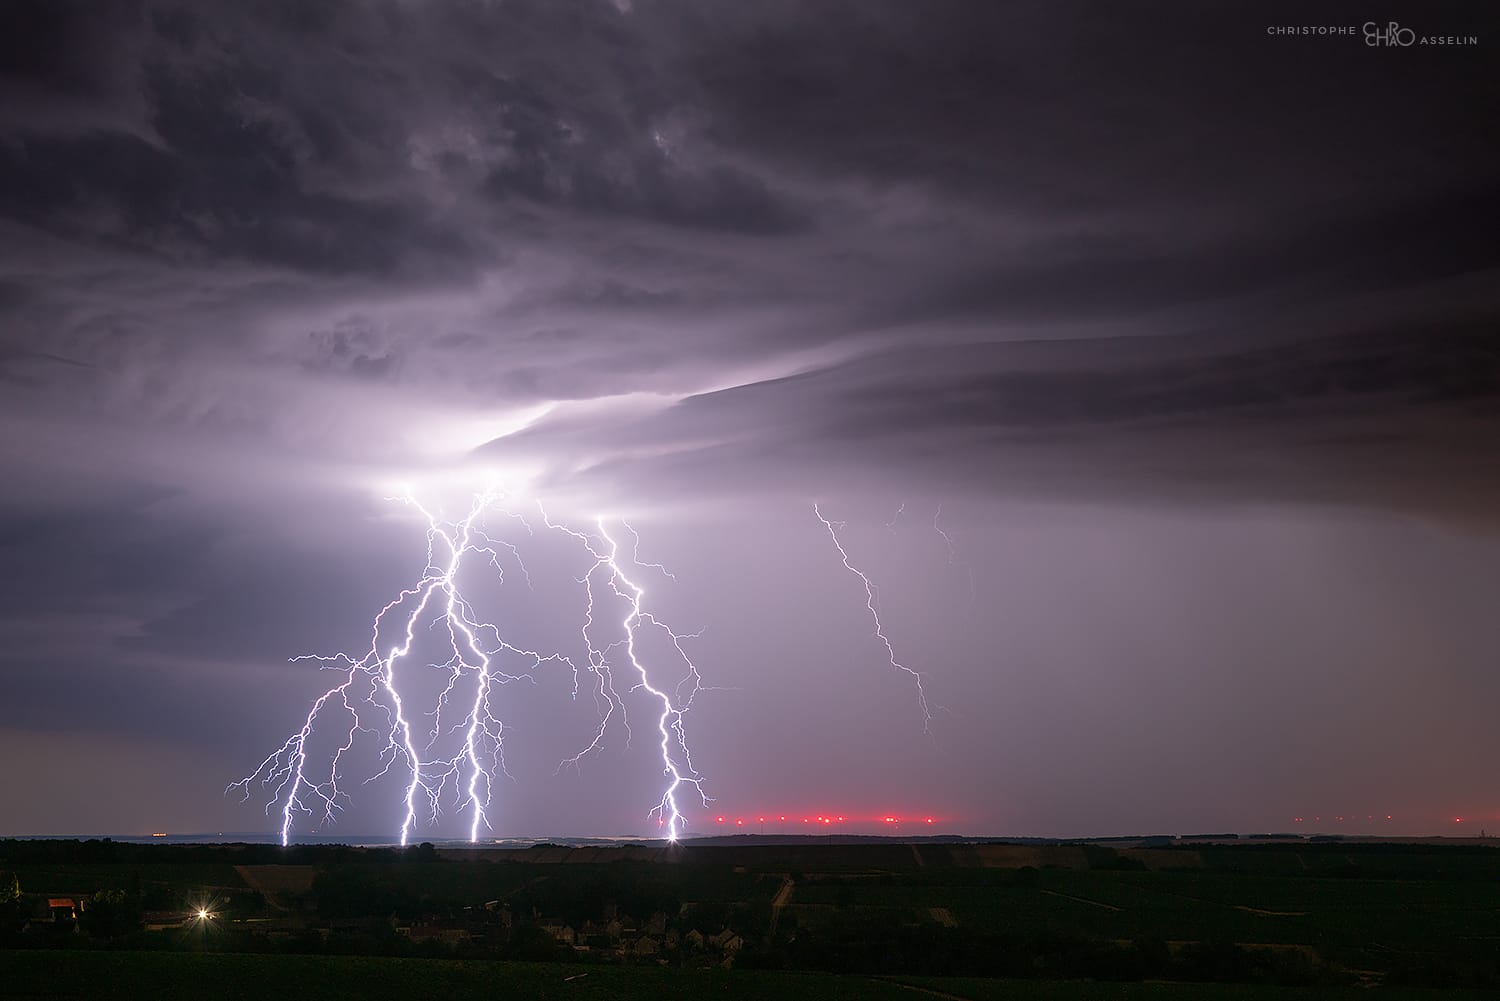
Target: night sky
(1181, 329)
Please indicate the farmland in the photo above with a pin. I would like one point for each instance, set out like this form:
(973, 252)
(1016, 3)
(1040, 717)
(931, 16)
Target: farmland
(729, 919)
(187, 977)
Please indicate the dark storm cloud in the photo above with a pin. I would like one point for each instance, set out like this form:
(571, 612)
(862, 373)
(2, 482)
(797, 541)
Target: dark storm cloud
(221, 180)
(551, 165)
(71, 67)
(243, 221)
(1422, 238)
(1378, 417)
(1090, 105)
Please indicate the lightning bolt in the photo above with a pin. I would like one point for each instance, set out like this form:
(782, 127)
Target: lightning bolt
(953, 554)
(947, 539)
(368, 697)
(872, 602)
(676, 757)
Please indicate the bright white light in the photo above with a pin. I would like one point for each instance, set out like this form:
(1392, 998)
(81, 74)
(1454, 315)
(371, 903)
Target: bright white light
(456, 434)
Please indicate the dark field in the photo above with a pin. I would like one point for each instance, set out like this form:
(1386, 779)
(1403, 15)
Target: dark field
(233, 977)
(812, 920)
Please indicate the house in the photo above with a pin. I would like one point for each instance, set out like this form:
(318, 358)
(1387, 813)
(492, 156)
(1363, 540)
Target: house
(52, 915)
(728, 941)
(563, 933)
(435, 933)
(162, 920)
(63, 910)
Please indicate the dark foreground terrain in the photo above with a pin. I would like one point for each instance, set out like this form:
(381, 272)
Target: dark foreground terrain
(239, 977)
(810, 920)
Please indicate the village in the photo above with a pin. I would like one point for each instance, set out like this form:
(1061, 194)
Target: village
(1276, 910)
(383, 909)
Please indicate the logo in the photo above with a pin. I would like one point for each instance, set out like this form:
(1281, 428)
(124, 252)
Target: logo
(1389, 34)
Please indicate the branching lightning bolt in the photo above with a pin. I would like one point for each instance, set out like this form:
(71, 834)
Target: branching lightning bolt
(872, 601)
(953, 552)
(676, 758)
(368, 697)
(947, 539)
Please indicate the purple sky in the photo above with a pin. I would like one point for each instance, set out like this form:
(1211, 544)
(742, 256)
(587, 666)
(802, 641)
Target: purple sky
(1188, 327)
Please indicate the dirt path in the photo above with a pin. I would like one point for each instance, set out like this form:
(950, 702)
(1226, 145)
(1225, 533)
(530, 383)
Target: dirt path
(1270, 914)
(277, 882)
(782, 898)
(1083, 900)
(923, 990)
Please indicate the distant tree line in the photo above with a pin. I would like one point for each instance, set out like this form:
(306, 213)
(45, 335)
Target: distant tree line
(105, 851)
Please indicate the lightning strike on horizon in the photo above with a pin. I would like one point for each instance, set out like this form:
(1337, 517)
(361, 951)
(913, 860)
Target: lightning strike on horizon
(677, 767)
(947, 539)
(872, 602)
(370, 687)
(598, 663)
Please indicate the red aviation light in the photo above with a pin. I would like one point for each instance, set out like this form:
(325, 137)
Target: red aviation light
(824, 819)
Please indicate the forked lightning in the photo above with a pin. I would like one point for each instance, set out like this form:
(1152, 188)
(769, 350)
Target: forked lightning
(368, 698)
